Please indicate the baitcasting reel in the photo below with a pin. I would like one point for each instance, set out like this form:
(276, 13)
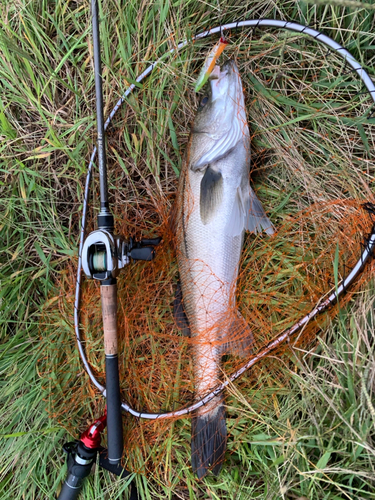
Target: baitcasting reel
(104, 254)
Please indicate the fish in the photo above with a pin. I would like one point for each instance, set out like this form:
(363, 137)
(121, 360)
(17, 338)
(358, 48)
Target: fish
(215, 205)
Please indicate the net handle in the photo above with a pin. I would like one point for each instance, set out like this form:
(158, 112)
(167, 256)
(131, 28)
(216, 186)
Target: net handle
(323, 304)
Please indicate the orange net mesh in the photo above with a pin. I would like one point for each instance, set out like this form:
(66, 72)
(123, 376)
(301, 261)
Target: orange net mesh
(316, 214)
(274, 290)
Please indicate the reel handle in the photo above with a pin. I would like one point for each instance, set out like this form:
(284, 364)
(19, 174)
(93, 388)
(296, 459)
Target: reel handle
(142, 253)
(144, 249)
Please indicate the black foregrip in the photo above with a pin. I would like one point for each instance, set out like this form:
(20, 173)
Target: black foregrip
(71, 488)
(114, 418)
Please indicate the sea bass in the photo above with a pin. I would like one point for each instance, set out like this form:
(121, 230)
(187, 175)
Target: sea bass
(215, 205)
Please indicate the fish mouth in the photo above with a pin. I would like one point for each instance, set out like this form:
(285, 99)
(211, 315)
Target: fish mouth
(219, 72)
(215, 74)
(224, 79)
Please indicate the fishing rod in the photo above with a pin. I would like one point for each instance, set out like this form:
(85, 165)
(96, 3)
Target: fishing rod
(99, 254)
(102, 256)
(322, 304)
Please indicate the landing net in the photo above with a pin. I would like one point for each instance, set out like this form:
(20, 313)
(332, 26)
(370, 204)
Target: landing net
(309, 105)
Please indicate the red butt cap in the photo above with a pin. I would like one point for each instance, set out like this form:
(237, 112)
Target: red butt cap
(91, 438)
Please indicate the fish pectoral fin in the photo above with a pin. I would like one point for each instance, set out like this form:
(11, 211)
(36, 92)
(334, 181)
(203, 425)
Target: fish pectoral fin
(239, 340)
(179, 313)
(211, 194)
(255, 216)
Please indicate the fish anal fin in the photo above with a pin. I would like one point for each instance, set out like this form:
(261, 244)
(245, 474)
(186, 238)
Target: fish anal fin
(239, 339)
(179, 313)
(211, 194)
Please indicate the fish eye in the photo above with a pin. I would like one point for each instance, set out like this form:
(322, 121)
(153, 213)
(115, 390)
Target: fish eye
(204, 100)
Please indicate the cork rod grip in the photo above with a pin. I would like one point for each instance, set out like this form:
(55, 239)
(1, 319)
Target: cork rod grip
(109, 311)
(114, 418)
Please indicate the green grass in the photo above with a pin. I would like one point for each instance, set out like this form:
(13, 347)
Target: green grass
(313, 436)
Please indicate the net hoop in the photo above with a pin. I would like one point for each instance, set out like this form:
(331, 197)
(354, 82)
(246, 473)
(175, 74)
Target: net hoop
(323, 303)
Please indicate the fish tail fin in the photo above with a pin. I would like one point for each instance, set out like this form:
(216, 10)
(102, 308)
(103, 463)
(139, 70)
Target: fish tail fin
(208, 441)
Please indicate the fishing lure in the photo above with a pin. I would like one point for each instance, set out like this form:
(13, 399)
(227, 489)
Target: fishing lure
(210, 63)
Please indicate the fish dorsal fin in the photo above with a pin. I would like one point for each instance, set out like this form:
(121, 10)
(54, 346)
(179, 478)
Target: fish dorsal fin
(211, 194)
(248, 213)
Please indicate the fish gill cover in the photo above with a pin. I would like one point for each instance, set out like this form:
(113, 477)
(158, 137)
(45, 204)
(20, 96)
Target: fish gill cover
(300, 104)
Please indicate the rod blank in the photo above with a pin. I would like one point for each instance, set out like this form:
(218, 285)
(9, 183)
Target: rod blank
(104, 205)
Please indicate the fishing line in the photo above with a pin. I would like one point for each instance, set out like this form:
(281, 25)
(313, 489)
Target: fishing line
(323, 304)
